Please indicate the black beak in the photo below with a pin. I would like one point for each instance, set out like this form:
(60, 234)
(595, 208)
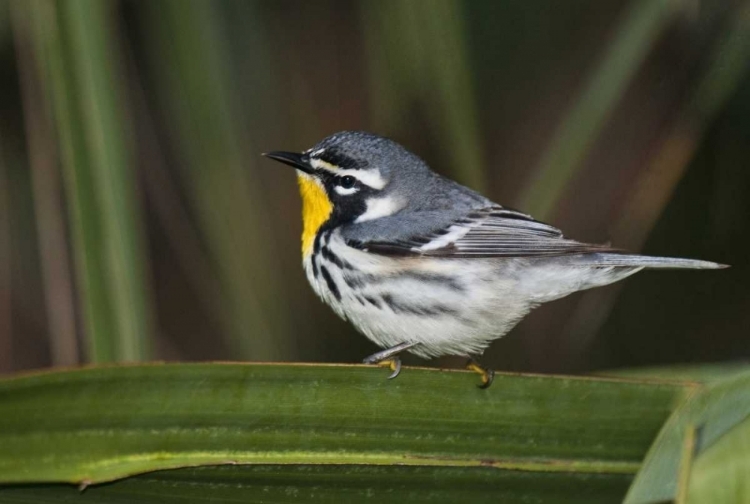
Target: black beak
(299, 161)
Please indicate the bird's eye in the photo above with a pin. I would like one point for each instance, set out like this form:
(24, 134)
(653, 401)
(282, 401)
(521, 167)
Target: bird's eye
(347, 182)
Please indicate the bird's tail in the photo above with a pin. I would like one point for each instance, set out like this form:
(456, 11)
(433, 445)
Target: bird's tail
(641, 261)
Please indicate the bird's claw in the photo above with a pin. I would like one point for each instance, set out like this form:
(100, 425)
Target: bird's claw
(388, 358)
(488, 375)
(394, 364)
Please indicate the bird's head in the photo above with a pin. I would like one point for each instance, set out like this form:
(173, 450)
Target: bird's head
(352, 177)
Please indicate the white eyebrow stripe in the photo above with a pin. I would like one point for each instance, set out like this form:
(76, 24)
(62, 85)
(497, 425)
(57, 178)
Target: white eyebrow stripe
(371, 177)
(381, 207)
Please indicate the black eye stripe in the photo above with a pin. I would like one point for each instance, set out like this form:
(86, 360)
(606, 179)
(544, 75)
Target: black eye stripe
(338, 180)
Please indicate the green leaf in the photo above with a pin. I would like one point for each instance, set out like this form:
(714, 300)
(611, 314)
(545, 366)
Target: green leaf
(691, 452)
(698, 373)
(335, 484)
(719, 474)
(74, 42)
(572, 435)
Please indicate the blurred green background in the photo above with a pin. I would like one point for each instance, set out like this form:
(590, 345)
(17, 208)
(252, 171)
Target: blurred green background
(138, 220)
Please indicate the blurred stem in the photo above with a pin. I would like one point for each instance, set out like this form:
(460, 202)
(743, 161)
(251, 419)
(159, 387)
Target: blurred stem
(4, 18)
(76, 39)
(171, 212)
(640, 27)
(83, 217)
(728, 63)
(686, 464)
(93, 45)
(6, 326)
(419, 55)
(48, 206)
(190, 62)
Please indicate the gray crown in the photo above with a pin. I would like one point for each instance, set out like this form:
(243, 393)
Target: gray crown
(407, 174)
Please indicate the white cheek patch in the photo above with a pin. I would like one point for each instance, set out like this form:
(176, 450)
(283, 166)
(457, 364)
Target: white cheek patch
(345, 191)
(380, 207)
(371, 178)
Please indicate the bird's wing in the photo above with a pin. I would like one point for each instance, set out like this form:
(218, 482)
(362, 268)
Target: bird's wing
(488, 232)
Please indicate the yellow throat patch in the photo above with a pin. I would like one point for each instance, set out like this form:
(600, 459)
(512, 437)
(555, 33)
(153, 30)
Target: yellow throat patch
(316, 208)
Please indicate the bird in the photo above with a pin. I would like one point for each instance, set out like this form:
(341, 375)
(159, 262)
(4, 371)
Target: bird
(419, 263)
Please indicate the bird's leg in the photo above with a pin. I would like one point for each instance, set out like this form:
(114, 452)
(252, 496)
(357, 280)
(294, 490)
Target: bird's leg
(487, 374)
(389, 358)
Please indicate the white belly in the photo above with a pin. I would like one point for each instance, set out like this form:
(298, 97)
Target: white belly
(449, 306)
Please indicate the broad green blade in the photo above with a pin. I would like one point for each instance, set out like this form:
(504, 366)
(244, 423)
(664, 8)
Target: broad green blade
(719, 474)
(100, 424)
(693, 446)
(336, 484)
(697, 373)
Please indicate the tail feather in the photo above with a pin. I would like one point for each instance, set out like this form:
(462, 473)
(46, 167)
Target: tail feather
(610, 259)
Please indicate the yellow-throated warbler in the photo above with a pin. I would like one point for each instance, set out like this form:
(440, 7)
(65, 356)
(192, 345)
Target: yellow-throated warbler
(420, 263)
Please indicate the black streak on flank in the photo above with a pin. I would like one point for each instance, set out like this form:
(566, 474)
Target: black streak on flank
(314, 262)
(434, 278)
(331, 284)
(425, 311)
(316, 243)
(374, 302)
(354, 282)
(333, 258)
(357, 281)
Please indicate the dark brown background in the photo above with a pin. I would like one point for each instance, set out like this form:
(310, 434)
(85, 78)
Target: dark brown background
(622, 120)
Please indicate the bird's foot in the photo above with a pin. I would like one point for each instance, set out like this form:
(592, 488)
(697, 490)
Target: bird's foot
(388, 358)
(394, 364)
(487, 374)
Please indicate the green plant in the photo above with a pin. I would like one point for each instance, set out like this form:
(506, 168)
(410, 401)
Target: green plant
(335, 433)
